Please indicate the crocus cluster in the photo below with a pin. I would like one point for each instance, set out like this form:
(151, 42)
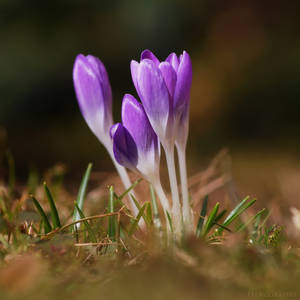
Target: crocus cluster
(161, 117)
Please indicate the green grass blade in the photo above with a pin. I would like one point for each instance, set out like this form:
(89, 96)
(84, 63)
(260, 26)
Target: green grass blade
(47, 226)
(148, 214)
(88, 227)
(112, 224)
(202, 216)
(253, 218)
(170, 220)
(235, 210)
(210, 220)
(156, 218)
(82, 193)
(53, 210)
(220, 215)
(136, 203)
(134, 225)
(130, 188)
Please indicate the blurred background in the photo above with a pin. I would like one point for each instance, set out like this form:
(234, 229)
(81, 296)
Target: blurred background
(245, 93)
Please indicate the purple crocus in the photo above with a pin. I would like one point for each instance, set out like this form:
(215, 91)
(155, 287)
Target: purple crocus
(136, 145)
(164, 89)
(94, 97)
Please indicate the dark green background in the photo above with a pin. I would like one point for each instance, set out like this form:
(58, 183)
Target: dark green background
(246, 58)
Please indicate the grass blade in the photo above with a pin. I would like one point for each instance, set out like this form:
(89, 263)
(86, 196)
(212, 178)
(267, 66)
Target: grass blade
(129, 189)
(156, 218)
(134, 225)
(245, 225)
(112, 225)
(47, 226)
(220, 215)
(210, 220)
(81, 194)
(88, 227)
(170, 220)
(236, 212)
(53, 210)
(202, 216)
(148, 214)
(136, 203)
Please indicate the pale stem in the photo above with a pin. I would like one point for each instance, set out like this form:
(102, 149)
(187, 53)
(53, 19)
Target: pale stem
(161, 195)
(186, 209)
(176, 207)
(124, 177)
(163, 200)
(127, 184)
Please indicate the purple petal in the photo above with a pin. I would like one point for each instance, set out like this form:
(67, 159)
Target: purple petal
(147, 54)
(112, 130)
(154, 95)
(183, 85)
(169, 76)
(134, 65)
(124, 147)
(136, 122)
(173, 60)
(89, 93)
(99, 69)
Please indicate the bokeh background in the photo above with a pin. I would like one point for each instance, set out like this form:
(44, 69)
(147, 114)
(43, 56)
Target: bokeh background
(246, 84)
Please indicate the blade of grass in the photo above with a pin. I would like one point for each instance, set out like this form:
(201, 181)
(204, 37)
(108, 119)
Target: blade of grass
(253, 218)
(170, 220)
(148, 214)
(136, 203)
(210, 220)
(112, 225)
(81, 193)
(88, 227)
(53, 210)
(202, 216)
(220, 215)
(130, 188)
(236, 212)
(156, 218)
(134, 225)
(47, 226)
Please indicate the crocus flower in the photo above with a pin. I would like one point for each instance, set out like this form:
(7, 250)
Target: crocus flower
(136, 145)
(94, 97)
(164, 89)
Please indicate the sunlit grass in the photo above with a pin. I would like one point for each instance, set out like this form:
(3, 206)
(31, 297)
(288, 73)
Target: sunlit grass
(73, 254)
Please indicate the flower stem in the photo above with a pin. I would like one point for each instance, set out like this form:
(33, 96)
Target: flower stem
(127, 184)
(161, 195)
(176, 207)
(186, 209)
(163, 200)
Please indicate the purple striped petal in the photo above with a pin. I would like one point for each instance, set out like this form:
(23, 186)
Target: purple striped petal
(99, 69)
(136, 122)
(169, 76)
(134, 66)
(154, 96)
(124, 147)
(183, 85)
(147, 54)
(93, 94)
(173, 60)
